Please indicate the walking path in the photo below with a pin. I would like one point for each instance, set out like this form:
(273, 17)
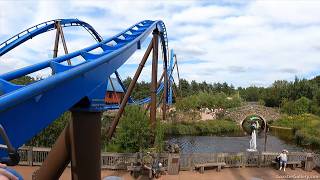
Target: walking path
(225, 174)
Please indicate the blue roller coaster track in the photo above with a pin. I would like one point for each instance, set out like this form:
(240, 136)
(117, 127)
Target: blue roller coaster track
(25, 110)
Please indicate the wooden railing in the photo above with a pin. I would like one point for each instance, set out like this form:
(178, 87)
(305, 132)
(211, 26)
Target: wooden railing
(34, 156)
(118, 161)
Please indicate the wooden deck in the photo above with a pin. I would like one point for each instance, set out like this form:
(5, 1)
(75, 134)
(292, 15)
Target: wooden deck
(265, 173)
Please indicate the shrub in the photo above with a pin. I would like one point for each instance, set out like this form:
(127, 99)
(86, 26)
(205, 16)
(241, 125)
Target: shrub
(133, 132)
(159, 137)
(302, 105)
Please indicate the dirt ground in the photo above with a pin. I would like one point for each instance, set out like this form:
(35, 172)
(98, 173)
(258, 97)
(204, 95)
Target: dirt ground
(225, 174)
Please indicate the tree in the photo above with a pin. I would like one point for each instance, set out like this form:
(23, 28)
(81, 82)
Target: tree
(250, 93)
(23, 80)
(194, 86)
(133, 132)
(302, 105)
(49, 135)
(287, 106)
(185, 88)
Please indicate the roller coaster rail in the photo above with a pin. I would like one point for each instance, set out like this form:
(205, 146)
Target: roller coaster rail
(27, 109)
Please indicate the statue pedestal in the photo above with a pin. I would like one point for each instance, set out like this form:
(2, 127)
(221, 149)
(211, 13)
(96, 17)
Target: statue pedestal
(251, 150)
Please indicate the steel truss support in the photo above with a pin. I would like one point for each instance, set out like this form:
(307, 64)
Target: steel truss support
(80, 143)
(165, 91)
(58, 158)
(59, 33)
(158, 85)
(153, 104)
(129, 91)
(85, 135)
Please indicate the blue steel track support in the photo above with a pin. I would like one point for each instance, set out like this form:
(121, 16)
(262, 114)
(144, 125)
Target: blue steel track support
(26, 110)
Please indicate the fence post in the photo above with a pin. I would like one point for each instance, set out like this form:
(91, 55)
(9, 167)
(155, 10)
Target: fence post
(259, 159)
(30, 155)
(101, 160)
(173, 163)
(189, 162)
(244, 160)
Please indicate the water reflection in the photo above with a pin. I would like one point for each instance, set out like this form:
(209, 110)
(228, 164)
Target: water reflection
(207, 144)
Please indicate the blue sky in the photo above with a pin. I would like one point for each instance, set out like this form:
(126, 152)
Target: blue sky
(241, 42)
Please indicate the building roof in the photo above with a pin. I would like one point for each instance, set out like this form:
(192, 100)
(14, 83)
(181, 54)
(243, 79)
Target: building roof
(116, 85)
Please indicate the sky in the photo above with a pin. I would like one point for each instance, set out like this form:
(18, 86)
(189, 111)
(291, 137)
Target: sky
(243, 43)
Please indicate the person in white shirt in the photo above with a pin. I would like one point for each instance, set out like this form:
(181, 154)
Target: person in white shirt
(283, 159)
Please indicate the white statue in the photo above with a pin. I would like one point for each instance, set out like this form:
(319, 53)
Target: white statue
(253, 140)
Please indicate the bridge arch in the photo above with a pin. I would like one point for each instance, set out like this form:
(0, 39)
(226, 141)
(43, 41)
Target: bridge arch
(241, 113)
(245, 123)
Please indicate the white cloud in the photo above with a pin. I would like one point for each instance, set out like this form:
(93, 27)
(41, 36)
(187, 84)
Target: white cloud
(286, 11)
(202, 14)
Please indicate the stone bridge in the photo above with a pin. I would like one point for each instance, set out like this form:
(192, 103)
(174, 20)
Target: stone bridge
(239, 114)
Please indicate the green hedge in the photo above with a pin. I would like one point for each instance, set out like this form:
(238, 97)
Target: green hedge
(202, 128)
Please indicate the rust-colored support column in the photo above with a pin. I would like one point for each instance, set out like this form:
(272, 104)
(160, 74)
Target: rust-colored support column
(129, 90)
(59, 33)
(64, 43)
(56, 41)
(158, 85)
(173, 89)
(85, 135)
(58, 158)
(176, 63)
(153, 106)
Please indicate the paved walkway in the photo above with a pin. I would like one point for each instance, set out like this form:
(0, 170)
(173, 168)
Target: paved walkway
(225, 174)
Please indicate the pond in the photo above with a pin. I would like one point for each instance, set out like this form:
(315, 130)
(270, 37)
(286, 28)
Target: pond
(209, 144)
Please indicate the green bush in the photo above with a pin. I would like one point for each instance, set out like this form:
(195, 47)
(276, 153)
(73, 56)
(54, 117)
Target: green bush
(133, 132)
(287, 106)
(159, 137)
(300, 106)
